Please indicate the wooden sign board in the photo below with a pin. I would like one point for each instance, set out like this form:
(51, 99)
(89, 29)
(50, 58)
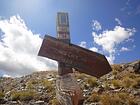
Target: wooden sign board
(81, 59)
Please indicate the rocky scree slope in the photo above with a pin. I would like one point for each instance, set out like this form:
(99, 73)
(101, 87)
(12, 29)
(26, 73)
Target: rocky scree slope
(119, 87)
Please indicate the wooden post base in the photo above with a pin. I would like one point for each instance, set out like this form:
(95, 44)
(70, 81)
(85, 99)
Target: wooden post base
(68, 91)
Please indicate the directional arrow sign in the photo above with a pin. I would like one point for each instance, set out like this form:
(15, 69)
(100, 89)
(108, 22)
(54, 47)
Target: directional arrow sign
(81, 59)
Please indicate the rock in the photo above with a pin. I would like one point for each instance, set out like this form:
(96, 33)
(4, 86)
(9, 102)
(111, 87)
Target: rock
(95, 103)
(45, 98)
(137, 67)
(78, 80)
(2, 101)
(117, 90)
(51, 79)
(14, 102)
(39, 102)
(111, 77)
(96, 89)
(134, 66)
(112, 87)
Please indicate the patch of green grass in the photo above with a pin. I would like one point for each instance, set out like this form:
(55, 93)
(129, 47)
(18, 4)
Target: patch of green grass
(48, 85)
(129, 82)
(117, 83)
(118, 99)
(54, 101)
(23, 95)
(114, 72)
(92, 81)
(107, 99)
(107, 86)
(32, 83)
(123, 96)
(80, 76)
(29, 85)
(95, 97)
(137, 80)
(1, 95)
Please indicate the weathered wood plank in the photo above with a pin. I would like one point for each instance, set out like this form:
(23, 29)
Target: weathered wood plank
(81, 59)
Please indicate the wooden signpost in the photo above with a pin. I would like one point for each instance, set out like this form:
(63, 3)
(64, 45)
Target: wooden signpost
(81, 59)
(71, 56)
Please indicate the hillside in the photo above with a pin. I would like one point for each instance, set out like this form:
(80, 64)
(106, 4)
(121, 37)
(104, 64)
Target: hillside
(120, 87)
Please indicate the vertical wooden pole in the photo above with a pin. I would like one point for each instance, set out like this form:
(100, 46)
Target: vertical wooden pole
(68, 91)
(64, 35)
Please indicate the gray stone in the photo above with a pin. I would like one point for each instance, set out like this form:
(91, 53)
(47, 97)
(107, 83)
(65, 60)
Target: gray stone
(39, 102)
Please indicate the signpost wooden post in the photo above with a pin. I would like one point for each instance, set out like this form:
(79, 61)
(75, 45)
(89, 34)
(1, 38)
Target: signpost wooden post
(71, 56)
(63, 34)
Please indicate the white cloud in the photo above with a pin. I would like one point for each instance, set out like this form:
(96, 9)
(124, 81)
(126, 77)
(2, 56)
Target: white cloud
(19, 48)
(124, 49)
(109, 39)
(83, 44)
(111, 58)
(94, 49)
(96, 25)
(118, 21)
(5, 75)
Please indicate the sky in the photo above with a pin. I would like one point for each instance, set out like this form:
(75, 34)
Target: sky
(109, 27)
